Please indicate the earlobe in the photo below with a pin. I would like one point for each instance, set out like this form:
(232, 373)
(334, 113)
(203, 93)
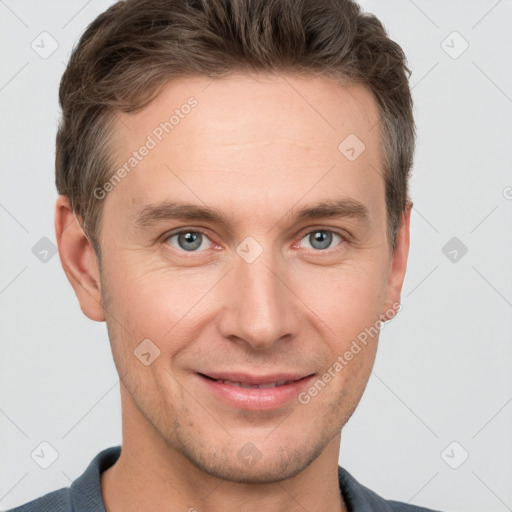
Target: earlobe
(398, 265)
(78, 260)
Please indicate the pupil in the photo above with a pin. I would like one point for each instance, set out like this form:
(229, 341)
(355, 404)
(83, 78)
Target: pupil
(321, 239)
(192, 240)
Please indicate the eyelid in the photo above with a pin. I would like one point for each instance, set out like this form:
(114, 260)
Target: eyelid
(179, 230)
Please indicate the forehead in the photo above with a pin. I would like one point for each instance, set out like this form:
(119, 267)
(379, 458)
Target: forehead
(234, 109)
(258, 139)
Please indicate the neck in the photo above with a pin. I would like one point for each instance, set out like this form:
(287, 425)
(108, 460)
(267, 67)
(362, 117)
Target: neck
(151, 475)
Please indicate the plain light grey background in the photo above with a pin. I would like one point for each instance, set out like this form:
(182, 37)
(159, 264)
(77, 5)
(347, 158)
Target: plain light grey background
(433, 427)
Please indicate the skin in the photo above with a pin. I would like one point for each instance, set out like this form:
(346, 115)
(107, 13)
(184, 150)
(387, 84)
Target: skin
(257, 148)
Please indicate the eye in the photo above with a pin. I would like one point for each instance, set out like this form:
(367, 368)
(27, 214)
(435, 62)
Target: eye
(321, 239)
(188, 240)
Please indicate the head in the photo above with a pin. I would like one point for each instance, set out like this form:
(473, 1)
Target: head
(233, 188)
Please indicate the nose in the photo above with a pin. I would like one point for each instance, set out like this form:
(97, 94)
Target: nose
(258, 305)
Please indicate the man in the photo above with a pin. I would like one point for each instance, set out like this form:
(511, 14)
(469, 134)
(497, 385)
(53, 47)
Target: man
(274, 139)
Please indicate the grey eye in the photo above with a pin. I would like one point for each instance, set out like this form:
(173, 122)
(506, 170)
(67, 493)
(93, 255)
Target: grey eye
(188, 240)
(321, 239)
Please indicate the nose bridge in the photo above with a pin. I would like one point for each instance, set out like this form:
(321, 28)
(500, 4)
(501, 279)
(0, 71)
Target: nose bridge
(258, 307)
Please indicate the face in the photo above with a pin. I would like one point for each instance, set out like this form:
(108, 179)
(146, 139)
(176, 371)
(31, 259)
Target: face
(250, 249)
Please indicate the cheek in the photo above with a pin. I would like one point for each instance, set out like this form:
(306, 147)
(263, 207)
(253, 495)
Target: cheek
(348, 302)
(159, 304)
(348, 299)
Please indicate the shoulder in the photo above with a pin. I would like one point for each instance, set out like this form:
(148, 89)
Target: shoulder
(398, 506)
(84, 494)
(361, 499)
(55, 501)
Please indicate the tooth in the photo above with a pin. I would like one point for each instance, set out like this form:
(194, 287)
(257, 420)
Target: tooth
(254, 386)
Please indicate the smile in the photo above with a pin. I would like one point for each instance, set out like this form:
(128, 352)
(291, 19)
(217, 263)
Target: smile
(250, 392)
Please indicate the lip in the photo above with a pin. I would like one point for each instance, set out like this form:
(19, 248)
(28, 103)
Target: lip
(255, 398)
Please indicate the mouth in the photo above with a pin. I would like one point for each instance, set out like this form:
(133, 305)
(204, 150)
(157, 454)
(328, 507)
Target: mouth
(252, 392)
(245, 385)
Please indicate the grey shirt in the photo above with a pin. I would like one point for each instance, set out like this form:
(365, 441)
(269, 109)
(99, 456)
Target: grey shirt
(84, 494)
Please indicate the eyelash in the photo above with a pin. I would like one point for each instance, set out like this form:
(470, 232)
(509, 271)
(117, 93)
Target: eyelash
(203, 233)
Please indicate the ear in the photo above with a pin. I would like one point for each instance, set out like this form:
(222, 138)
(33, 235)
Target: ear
(398, 265)
(78, 260)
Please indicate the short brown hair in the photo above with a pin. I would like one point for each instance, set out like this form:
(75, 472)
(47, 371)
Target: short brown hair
(135, 47)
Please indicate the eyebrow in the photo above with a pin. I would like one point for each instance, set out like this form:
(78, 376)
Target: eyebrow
(178, 210)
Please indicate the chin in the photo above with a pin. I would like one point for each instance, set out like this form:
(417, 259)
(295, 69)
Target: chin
(249, 465)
